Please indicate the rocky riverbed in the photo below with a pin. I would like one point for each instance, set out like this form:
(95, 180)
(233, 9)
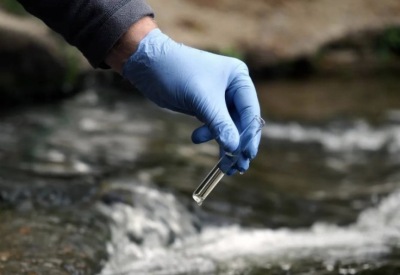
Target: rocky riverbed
(102, 183)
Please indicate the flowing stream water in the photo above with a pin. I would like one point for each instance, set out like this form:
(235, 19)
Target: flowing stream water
(102, 184)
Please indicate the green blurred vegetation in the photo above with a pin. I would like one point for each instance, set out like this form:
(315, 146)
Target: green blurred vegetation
(388, 44)
(73, 63)
(13, 7)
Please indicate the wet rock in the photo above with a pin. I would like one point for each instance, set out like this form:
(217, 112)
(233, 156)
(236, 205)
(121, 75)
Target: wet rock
(48, 225)
(26, 191)
(61, 242)
(35, 64)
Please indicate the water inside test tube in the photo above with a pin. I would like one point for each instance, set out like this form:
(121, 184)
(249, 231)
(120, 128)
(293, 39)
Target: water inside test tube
(208, 184)
(227, 161)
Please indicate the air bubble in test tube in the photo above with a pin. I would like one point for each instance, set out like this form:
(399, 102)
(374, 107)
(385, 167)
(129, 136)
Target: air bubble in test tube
(227, 161)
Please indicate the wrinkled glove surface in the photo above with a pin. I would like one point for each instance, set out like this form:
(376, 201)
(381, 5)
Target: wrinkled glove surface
(214, 88)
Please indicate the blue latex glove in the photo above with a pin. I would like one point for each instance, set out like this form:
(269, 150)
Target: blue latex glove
(215, 89)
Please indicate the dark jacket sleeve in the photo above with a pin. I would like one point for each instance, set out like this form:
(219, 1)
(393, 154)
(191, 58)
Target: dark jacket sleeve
(93, 26)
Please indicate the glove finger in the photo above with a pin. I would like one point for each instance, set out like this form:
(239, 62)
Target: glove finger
(216, 116)
(231, 171)
(242, 164)
(230, 165)
(225, 132)
(201, 135)
(226, 163)
(247, 107)
(251, 140)
(178, 110)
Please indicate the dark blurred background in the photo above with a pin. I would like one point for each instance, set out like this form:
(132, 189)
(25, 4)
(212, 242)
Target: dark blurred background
(287, 39)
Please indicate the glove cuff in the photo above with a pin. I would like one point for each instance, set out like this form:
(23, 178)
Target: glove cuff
(147, 46)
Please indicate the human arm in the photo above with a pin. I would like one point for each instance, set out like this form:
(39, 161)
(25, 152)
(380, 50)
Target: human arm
(93, 26)
(215, 89)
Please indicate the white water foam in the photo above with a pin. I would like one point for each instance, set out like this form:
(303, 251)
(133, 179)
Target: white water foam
(358, 136)
(229, 248)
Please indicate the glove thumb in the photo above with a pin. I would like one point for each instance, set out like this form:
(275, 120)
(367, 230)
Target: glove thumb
(201, 135)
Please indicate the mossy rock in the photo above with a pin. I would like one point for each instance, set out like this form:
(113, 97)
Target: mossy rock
(35, 64)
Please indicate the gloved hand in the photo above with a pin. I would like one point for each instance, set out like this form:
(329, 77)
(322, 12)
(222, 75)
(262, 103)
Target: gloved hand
(215, 89)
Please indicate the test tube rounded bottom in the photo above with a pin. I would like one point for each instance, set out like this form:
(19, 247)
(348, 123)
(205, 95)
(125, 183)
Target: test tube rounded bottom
(207, 185)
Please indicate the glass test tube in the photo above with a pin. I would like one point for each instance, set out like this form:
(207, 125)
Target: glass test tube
(227, 161)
